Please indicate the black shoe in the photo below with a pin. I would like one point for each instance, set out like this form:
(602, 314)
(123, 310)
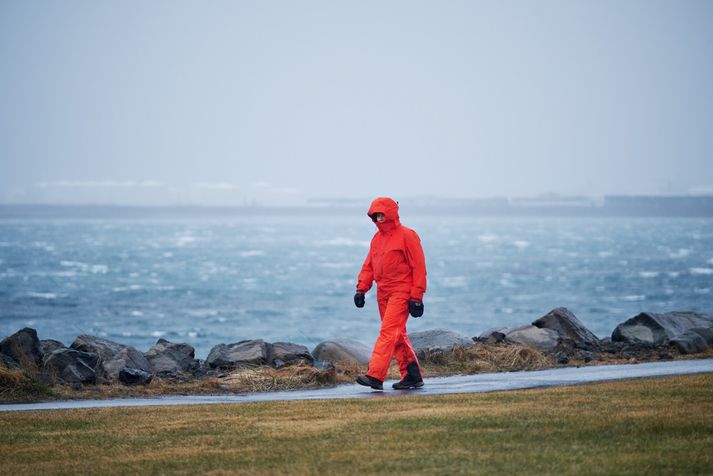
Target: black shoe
(369, 381)
(408, 384)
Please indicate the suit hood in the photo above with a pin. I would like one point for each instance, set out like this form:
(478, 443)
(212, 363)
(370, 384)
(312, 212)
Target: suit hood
(389, 208)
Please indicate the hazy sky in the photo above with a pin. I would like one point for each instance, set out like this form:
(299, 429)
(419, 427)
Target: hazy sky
(226, 102)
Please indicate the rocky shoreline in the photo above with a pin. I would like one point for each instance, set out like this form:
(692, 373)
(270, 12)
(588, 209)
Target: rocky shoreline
(92, 366)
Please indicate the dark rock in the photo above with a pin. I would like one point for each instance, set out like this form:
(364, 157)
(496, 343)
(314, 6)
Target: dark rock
(655, 328)
(561, 358)
(8, 362)
(492, 336)
(240, 354)
(434, 340)
(690, 342)
(199, 368)
(77, 386)
(71, 366)
(281, 354)
(167, 358)
(543, 339)
(48, 345)
(588, 359)
(566, 324)
(705, 332)
(665, 356)
(112, 356)
(24, 348)
(342, 350)
(130, 376)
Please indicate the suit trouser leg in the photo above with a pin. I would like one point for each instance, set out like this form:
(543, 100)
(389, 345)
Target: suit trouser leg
(394, 314)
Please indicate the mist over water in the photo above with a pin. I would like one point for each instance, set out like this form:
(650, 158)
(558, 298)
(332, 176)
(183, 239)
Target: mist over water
(292, 279)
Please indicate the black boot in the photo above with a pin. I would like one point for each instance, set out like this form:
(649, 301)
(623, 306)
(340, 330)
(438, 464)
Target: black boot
(412, 379)
(369, 381)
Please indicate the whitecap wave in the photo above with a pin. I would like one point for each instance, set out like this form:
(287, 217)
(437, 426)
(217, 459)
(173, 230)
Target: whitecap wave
(522, 244)
(648, 274)
(487, 238)
(454, 282)
(701, 271)
(84, 267)
(339, 265)
(342, 241)
(680, 253)
(47, 296)
(634, 298)
(202, 312)
(185, 240)
(606, 254)
(250, 253)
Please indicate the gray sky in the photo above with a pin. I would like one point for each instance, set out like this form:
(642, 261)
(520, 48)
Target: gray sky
(232, 102)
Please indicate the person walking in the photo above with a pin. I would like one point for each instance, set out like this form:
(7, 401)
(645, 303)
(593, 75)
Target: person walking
(397, 264)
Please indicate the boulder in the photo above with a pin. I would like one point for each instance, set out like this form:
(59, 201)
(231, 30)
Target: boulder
(689, 342)
(24, 348)
(168, 358)
(131, 376)
(71, 366)
(705, 332)
(342, 350)
(656, 328)
(543, 339)
(112, 357)
(492, 336)
(567, 326)
(48, 345)
(693, 340)
(281, 354)
(438, 340)
(240, 354)
(8, 362)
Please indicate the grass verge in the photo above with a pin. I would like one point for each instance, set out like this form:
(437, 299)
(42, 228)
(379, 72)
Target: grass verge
(17, 386)
(653, 426)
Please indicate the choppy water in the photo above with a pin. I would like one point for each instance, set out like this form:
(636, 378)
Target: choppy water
(283, 279)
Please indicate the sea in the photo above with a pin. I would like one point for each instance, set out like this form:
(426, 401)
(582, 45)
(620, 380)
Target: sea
(292, 278)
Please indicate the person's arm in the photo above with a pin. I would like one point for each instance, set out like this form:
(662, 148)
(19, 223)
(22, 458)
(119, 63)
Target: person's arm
(417, 261)
(366, 275)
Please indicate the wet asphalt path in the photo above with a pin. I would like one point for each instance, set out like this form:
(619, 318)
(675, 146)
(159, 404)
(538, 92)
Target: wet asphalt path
(434, 386)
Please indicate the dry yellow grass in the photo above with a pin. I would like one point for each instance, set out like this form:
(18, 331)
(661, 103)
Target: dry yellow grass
(19, 386)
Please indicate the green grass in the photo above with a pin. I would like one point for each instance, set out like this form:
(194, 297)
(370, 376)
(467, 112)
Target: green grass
(655, 426)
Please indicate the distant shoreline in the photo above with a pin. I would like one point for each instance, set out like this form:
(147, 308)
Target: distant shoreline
(609, 206)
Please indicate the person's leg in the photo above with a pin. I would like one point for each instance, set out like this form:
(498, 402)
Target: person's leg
(393, 325)
(406, 357)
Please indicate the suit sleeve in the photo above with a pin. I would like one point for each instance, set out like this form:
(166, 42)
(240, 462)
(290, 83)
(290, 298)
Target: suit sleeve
(366, 275)
(417, 261)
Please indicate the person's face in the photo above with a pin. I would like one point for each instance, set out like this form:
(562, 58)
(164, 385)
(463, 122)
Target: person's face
(380, 217)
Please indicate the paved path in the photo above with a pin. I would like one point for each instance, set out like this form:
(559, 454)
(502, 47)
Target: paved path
(434, 386)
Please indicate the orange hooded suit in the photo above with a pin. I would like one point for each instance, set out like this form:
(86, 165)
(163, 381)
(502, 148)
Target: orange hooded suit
(397, 264)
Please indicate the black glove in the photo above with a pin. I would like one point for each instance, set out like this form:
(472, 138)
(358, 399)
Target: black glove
(415, 308)
(359, 299)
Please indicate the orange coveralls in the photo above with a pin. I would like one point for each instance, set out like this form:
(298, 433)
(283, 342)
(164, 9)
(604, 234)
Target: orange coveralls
(397, 264)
